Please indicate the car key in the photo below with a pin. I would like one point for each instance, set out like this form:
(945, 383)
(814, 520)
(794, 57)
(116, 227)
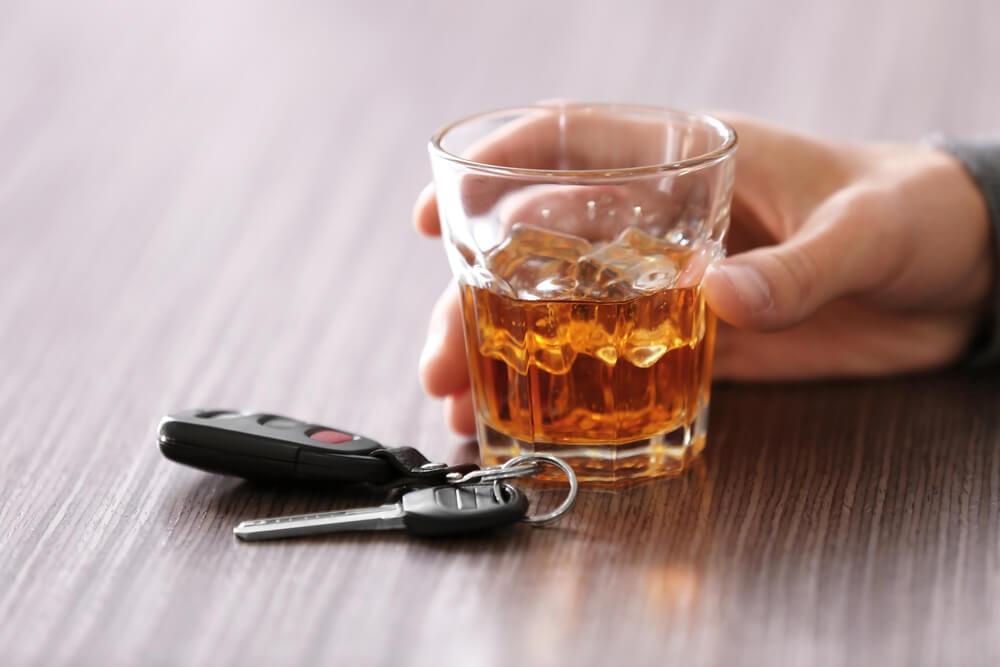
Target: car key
(277, 448)
(434, 511)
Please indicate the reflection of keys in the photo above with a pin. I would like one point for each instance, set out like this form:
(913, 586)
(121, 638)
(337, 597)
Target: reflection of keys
(441, 510)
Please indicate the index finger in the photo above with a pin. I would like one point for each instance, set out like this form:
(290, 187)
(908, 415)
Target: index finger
(560, 138)
(425, 212)
(522, 143)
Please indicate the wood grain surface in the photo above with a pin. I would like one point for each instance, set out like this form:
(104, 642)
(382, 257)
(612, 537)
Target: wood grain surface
(207, 204)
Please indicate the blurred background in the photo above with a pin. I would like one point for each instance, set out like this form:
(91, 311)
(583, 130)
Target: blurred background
(208, 204)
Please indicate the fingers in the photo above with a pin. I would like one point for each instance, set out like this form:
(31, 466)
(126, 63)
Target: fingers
(561, 137)
(769, 288)
(839, 250)
(574, 137)
(425, 212)
(844, 339)
(525, 143)
(806, 351)
(443, 366)
(531, 142)
(594, 213)
(459, 413)
(795, 189)
(782, 176)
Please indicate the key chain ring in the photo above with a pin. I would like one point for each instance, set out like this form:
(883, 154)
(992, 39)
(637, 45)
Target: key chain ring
(567, 504)
(492, 474)
(503, 491)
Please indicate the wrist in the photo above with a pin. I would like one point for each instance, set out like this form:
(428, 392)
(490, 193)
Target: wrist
(979, 163)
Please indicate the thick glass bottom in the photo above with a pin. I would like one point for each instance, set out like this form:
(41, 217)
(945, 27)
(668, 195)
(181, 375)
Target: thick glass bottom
(606, 465)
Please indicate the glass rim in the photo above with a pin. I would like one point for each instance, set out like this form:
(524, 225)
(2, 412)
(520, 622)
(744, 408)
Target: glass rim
(726, 132)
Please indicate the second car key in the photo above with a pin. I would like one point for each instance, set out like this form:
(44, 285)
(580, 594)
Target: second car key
(442, 510)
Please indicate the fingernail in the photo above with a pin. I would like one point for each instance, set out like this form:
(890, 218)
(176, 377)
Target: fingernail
(749, 285)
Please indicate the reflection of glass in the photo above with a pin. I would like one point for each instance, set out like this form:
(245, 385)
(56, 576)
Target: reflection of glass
(669, 588)
(579, 235)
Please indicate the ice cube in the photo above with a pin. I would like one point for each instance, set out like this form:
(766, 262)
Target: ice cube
(480, 276)
(655, 273)
(527, 241)
(606, 264)
(550, 288)
(632, 263)
(636, 259)
(617, 290)
(664, 260)
(645, 243)
(537, 263)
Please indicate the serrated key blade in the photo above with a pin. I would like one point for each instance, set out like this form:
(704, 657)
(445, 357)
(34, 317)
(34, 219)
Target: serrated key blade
(386, 517)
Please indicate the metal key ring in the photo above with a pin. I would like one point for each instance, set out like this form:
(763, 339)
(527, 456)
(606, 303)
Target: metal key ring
(493, 473)
(566, 505)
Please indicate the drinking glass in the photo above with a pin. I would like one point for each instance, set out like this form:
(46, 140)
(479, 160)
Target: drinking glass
(579, 235)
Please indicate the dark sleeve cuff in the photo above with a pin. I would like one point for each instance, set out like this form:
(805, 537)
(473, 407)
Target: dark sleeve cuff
(982, 160)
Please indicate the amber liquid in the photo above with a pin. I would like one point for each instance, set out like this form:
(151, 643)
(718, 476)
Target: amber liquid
(618, 388)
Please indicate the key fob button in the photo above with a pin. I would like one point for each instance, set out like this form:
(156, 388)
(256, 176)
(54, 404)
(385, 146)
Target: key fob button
(450, 510)
(331, 437)
(218, 414)
(456, 498)
(280, 422)
(267, 445)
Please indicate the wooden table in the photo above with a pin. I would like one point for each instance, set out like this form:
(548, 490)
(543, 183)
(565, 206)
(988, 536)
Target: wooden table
(207, 204)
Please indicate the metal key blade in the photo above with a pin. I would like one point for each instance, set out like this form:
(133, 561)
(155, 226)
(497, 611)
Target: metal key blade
(386, 517)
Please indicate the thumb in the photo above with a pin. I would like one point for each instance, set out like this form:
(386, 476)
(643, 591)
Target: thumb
(778, 286)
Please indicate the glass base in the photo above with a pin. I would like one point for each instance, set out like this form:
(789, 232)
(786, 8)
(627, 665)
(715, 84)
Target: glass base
(606, 465)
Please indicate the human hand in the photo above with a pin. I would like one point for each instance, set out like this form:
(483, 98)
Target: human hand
(845, 260)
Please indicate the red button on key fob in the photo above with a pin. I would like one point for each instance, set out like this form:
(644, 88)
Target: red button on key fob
(331, 437)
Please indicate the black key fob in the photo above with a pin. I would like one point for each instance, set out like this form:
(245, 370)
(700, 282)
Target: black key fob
(454, 510)
(271, 447)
